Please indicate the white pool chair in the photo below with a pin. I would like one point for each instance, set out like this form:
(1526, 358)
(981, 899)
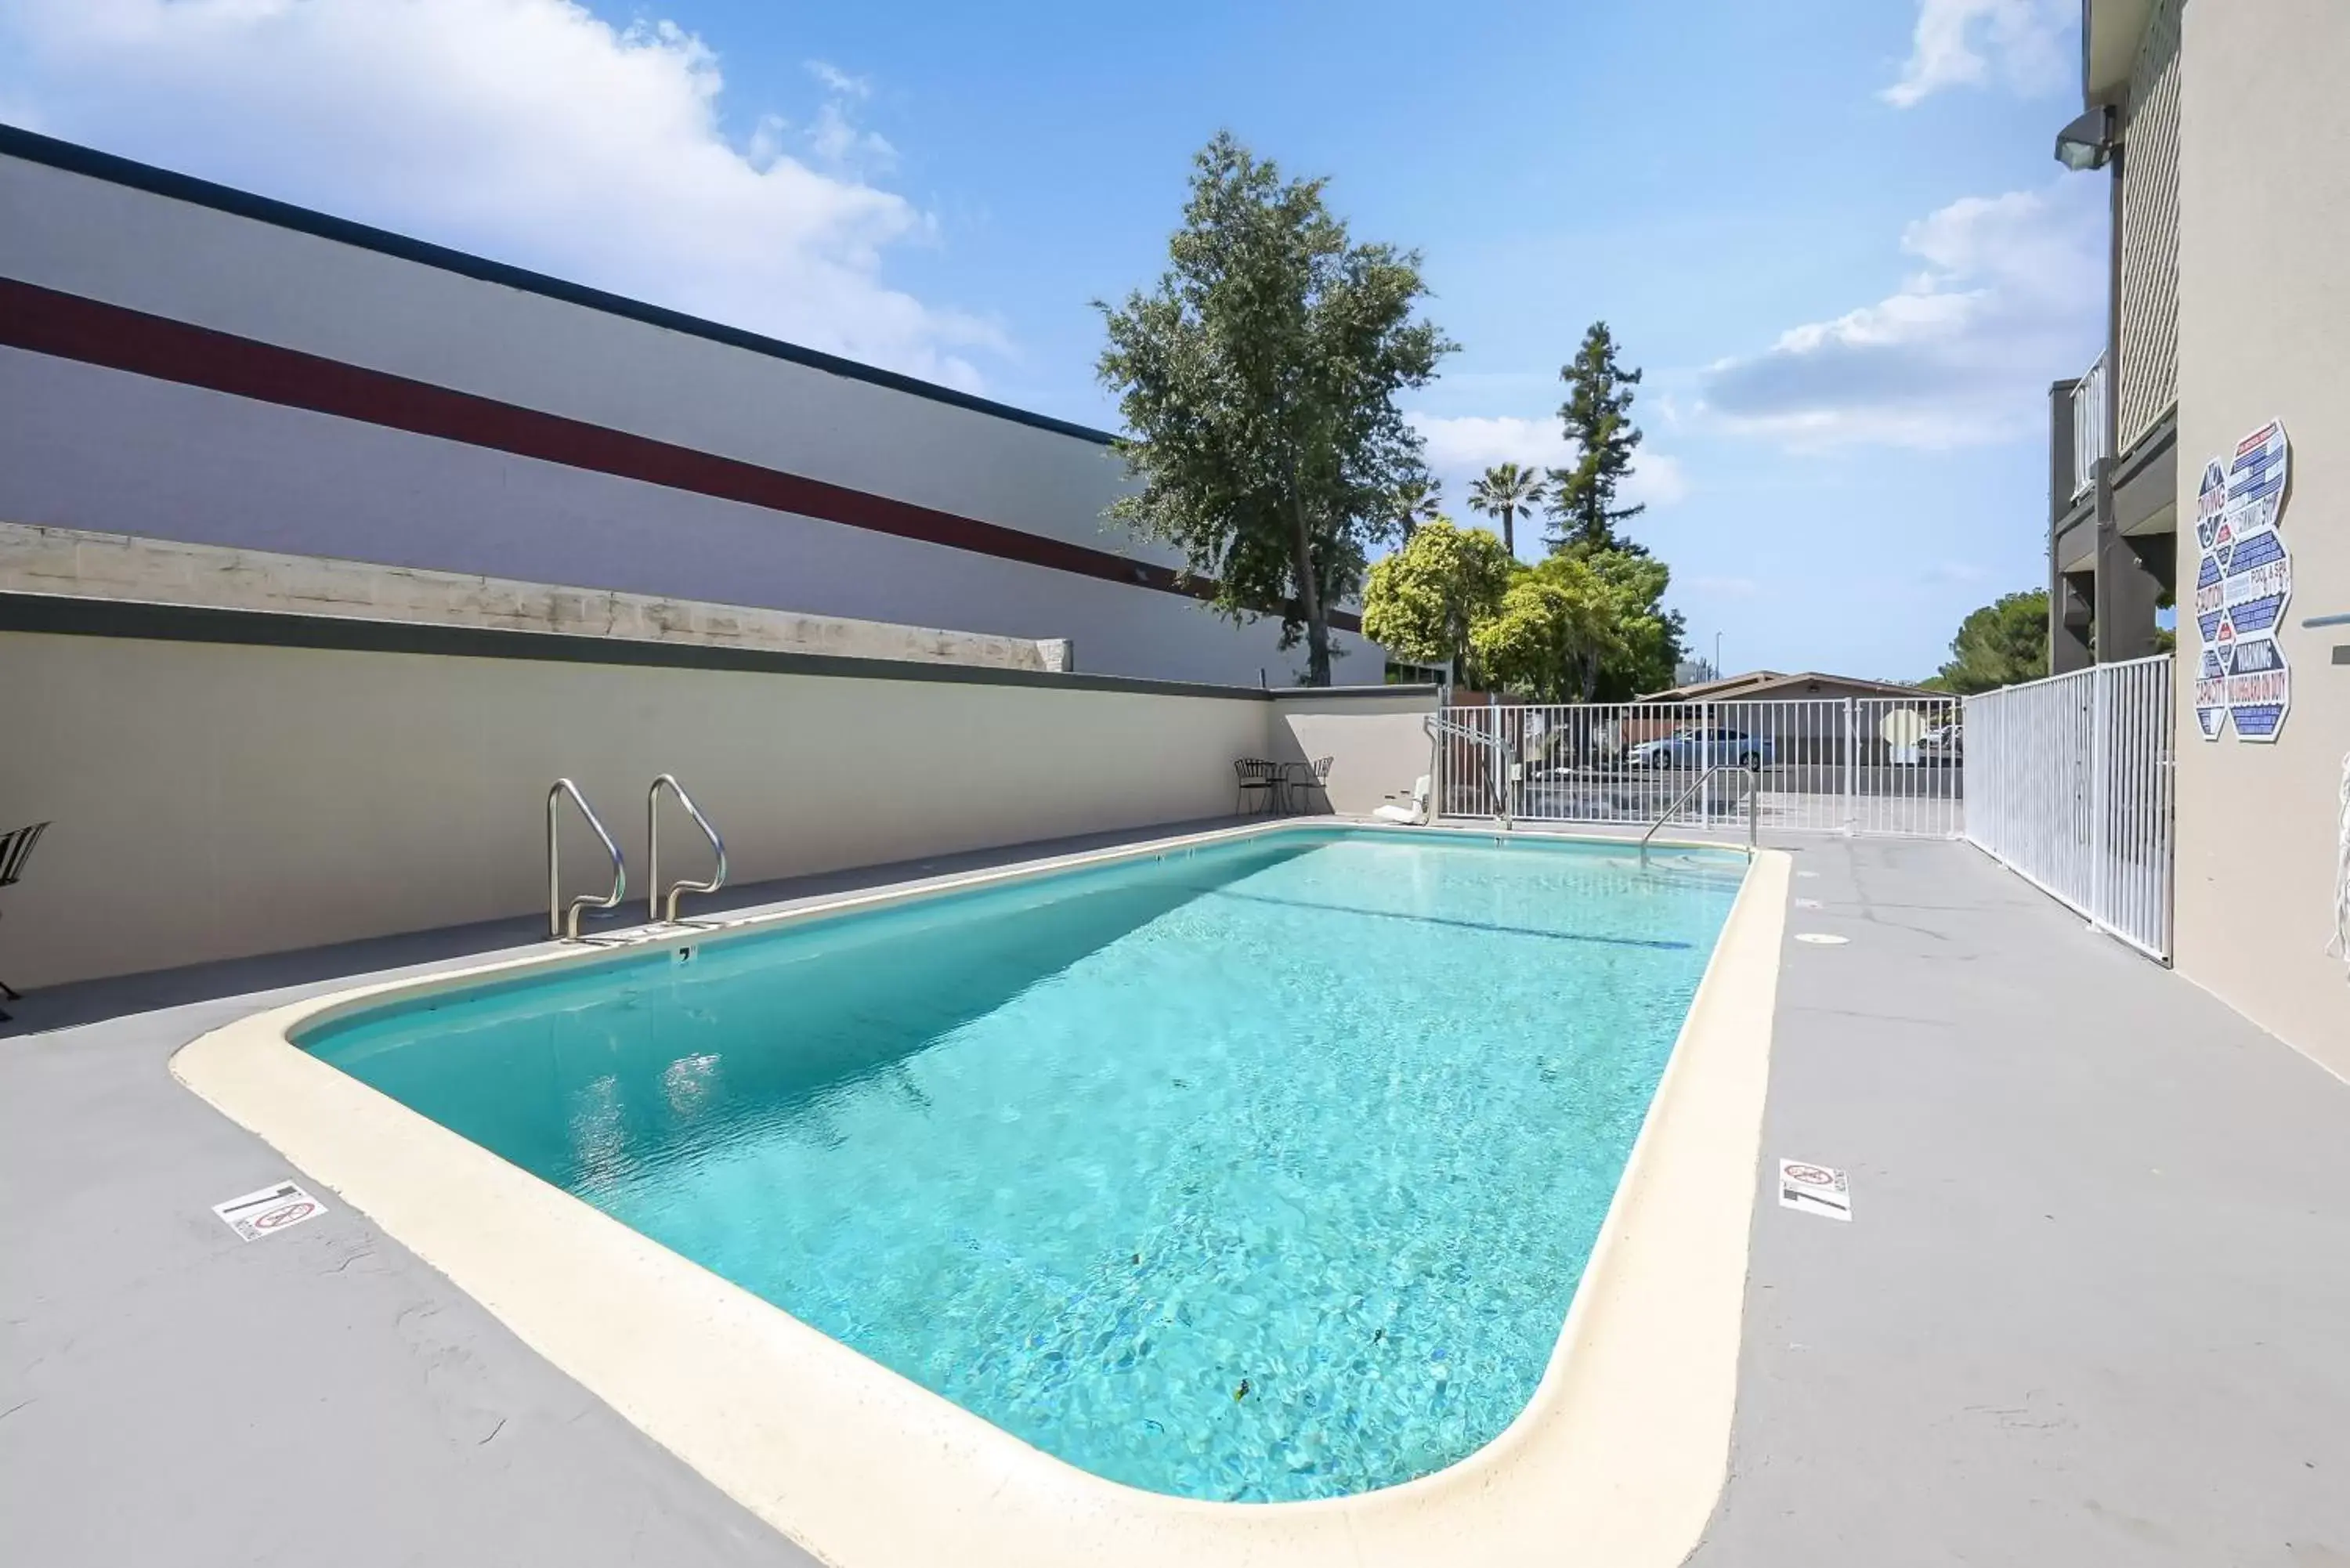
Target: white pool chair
(1416, 813)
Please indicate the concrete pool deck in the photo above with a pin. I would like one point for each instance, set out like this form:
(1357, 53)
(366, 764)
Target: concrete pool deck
(2089, 1308)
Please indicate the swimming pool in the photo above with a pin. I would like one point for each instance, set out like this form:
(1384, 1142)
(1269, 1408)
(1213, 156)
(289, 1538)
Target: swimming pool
(1265, 1172)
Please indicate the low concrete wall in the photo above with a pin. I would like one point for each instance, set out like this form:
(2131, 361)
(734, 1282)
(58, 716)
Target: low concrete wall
(219, 798)
(1376, 738)
(87, 564)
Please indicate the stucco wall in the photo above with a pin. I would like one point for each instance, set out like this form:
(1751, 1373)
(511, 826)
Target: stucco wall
(87, 446)
(2265, 333)
(1377, 741)
(217, 800)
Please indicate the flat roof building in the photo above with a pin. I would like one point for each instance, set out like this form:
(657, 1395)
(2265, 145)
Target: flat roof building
(181, 361)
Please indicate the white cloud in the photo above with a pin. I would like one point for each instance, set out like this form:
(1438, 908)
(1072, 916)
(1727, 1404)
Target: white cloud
(836, 137)
(527, 129)
(839, 83)
(839, 142)
(2006, 302)
(1473, 444)
(1656, 480)
(1459, 449)
(1968, 43)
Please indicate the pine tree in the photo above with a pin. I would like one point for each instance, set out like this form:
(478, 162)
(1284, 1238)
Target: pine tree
(1598, 416)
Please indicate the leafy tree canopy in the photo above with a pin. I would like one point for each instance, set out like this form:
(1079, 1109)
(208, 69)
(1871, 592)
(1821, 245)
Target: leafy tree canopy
(1650, 647)
(1556, 624)
(1597, 415)
(2001, 644)
(1257, 379)
(1425, 601)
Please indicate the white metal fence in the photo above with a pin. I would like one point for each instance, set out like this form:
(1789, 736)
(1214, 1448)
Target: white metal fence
(1856, 766)
(2068, 785)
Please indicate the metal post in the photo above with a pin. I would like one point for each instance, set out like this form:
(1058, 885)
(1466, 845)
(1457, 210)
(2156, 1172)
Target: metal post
(2101, 805)
(1851, 766)
(1438, 799)
(1709, 720)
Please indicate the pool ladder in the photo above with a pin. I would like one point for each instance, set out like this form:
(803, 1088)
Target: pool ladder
(1753, 769)
(677, 889)
(563, 920)
(1441, 729)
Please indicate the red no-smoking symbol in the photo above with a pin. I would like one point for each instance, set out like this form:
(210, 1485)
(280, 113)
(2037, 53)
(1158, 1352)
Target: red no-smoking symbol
(283, 1214)
(1810, 1176)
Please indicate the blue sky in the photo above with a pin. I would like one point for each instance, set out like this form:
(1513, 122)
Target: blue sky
(1829, 230)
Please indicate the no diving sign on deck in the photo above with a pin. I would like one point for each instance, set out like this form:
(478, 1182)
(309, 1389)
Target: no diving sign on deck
(1814, 1189)
(268, 1211)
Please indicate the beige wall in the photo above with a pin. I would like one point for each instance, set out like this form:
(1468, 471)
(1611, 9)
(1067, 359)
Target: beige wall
(83, 564)
(213, 801)
(1377, 741)
(2264, 332)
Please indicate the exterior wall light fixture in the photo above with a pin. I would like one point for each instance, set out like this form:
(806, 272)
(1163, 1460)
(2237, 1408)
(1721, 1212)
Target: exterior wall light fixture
(2088, 141)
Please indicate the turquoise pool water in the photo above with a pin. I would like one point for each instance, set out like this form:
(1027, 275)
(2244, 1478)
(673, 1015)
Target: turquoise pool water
(1262, 1173)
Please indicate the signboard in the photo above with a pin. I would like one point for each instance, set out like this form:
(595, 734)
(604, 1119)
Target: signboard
(1902, 729)
(2243, 577)
(1820, 1190)
(268, 1211)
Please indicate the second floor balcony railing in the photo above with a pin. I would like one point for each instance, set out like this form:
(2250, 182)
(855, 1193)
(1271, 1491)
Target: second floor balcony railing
(2089, 427)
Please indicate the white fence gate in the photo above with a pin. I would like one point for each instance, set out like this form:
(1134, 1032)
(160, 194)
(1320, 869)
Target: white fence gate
(2068, 786)
(1856, 766)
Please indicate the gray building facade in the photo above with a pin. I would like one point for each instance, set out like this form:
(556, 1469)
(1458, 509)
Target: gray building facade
(182, 361)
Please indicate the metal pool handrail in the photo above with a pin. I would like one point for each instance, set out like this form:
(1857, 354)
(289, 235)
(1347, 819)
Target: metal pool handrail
(1438, 725)
(565, 923)
(1753, 803)
(653, 839)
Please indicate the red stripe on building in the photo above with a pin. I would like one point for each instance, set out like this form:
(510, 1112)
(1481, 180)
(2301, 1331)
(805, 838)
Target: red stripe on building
(92, 332)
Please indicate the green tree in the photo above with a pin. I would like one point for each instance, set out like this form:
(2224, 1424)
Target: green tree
(1597, 417)
(1648, 644)
(1556, 624)
(1426, 601)
(1503, 491)
(2001, 644)
(1417, 501)
(1257, 378)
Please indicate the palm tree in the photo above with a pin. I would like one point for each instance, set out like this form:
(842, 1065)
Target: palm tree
(1417, 501)
(1506, 491)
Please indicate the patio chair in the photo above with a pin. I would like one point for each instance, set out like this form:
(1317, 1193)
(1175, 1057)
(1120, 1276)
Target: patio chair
(1413, 814)
(1302, 778)
(16, 849)
(1259, 778)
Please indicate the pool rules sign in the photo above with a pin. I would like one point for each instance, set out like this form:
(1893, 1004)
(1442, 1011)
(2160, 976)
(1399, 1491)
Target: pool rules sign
(2243, 577)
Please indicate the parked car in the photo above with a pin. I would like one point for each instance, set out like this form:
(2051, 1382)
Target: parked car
(1700, 746)
(1943, 743)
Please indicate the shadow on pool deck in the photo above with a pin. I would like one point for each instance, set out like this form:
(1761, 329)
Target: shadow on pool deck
(2089, 1309)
